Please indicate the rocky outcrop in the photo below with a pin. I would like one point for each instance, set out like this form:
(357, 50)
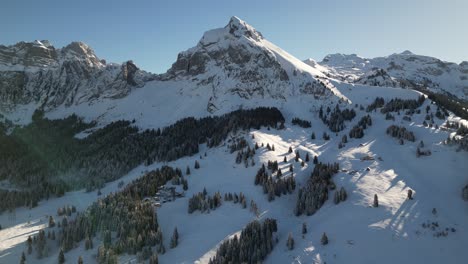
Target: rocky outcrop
(38, 73)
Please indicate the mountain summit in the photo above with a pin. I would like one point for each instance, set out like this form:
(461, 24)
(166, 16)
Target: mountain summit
(237, 60)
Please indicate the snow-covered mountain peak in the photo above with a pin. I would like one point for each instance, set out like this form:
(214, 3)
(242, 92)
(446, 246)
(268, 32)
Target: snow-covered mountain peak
(81, 51)
(240, 28)
(407, 52)
(343, 60)
(237, 60)
(235, 30)
(45, 44)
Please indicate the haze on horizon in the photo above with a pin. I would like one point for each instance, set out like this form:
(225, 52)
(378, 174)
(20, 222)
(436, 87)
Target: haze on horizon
(152, 33)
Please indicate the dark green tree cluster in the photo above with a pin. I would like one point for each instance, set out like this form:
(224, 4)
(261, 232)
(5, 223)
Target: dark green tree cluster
(237, 144)
(46, 154)
(312, 196)
(66, 210)
(301, 122)
(106, 256)
(340, 196)
(274, 187)
(400, 132)
(236, 198)
(203, 202)
(397, 104)
(389, 116)
(246, 156)
(272, 166)
(358, 130)
(335, 119)
(125, 214)
(378, 103)
(450, 103)
(253, 245)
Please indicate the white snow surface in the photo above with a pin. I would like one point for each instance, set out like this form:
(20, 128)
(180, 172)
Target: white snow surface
(358, 233)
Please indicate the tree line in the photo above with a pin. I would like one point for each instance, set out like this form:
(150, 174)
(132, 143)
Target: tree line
(253, 245)
(46, 154)
(315, 192)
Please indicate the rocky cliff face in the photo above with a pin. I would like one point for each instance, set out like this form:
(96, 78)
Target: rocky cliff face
(40, 74)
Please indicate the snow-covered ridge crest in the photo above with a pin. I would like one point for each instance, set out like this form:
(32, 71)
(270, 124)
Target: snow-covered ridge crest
(236, 28)
(406, 68)
(40, 54)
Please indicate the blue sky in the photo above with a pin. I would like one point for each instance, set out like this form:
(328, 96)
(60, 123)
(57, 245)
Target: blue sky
(153, 32)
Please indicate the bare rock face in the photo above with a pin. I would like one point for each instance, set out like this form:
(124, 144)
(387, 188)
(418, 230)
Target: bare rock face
(38, 73)
(29, 54)
(378, 77)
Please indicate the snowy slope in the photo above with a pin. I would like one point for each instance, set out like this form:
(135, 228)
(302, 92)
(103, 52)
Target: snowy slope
(358, 233)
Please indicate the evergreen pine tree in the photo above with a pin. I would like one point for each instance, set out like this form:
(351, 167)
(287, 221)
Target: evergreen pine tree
(376, 200)
(197, 165)
(343, 194)
(315, 160)
(313, 135)
(175, 238)
(61, 257)
(307, 159)
(29, 241)
(336, 197)
(290, 242)
(285, 160)
(324, 239)
(410, 194)
(290, 150)
(51, 221)
(304, 228)
(23, 258)
(154, 259)
(187, 171)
